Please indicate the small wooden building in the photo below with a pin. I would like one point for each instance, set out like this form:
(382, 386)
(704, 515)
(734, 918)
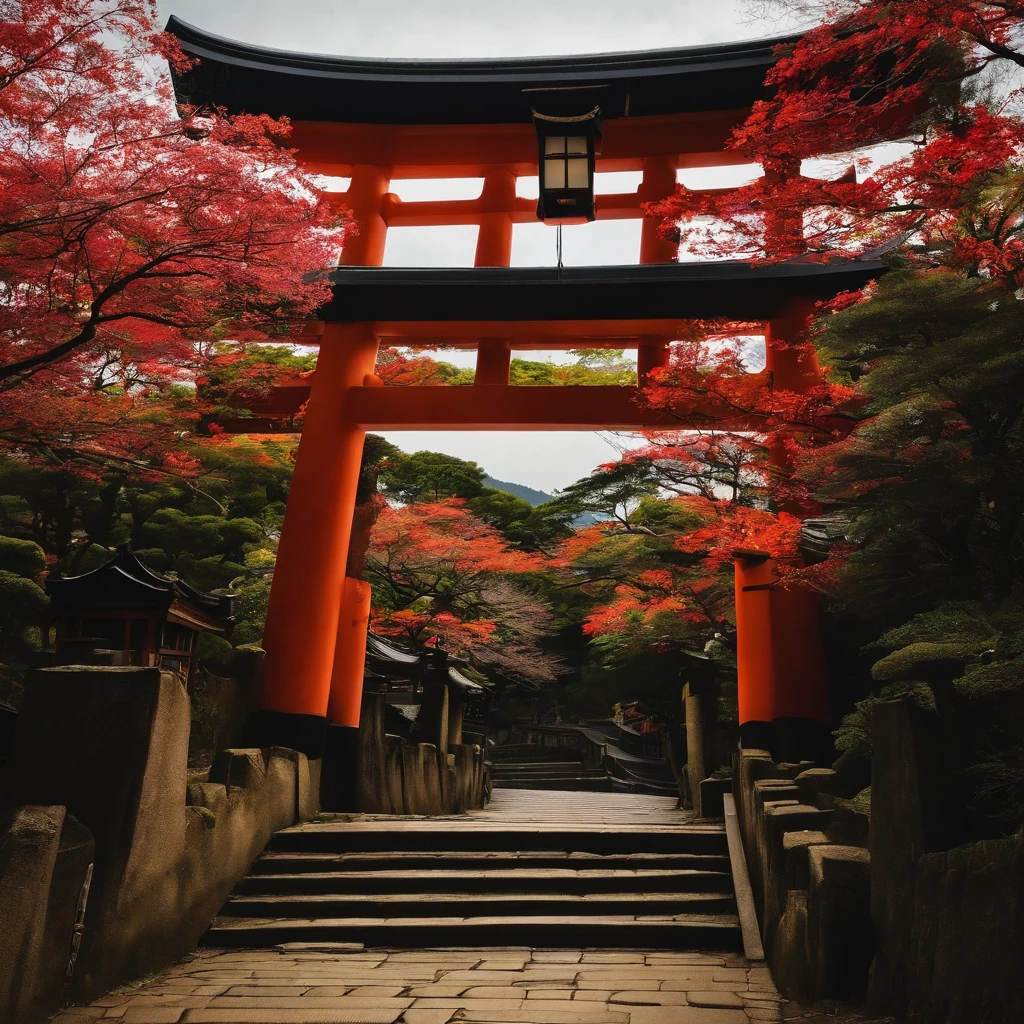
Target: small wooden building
(125, 614)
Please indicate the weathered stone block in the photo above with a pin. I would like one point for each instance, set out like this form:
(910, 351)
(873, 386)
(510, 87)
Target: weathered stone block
(903, 829)
(780, 819)
(306, 794)
(815, 783)
(839, 931)
(421, 784)
(75, 854)
(29, 840)
(239, 769)
(393, 767)
(966, 955)
(371, 787)
(790, 960)
(711, 793)
(111, 745)
(795, 866)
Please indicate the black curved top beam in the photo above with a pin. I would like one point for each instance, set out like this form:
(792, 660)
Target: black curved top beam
(312, 87)
(689, 291)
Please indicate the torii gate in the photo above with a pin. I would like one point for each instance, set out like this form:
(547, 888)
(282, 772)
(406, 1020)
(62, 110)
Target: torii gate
(378, 121)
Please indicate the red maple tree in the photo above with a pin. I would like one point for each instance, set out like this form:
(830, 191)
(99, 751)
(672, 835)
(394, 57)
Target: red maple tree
(133, 238)
(873, 72)
(437, 570)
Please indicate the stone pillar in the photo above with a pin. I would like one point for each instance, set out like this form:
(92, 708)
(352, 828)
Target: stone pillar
(695, 768)
(111, 745)
(456, 711)
(306, 597)
(907, 813)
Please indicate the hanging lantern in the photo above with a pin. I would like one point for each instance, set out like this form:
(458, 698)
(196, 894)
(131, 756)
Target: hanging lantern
(566, 150)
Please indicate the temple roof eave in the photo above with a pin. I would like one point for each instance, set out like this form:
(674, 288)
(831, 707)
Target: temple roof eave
(686, 291)
(397, 90)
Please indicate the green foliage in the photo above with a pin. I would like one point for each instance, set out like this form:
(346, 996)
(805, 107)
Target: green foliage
(215, 653)
(614, 491)
(859, 804)
(211, 573)
(154, 558)
(21, 557)
(20, 599)
(431, 476)
(930, 481)
(247, 634)
(999, 783)
(915, 660)
(853, 737)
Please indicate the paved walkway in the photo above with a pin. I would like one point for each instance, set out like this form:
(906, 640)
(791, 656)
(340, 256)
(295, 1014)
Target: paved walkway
(540, 809)
(320, 985)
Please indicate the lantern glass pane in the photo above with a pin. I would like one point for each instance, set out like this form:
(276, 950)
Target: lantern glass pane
(554, 144)
(576, 144)
(578, 172)
(554, 173)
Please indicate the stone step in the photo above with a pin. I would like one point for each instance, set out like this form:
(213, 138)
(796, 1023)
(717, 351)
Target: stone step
(622, 931)
(435, 836)
(574, 881)
(583, 785)
(276, 863)
(543, 767)
(457, 904)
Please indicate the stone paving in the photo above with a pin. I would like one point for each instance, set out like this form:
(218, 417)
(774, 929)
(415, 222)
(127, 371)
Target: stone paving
(307, 984)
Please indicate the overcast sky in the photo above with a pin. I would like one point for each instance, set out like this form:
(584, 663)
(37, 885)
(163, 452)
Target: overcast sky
(488, 28)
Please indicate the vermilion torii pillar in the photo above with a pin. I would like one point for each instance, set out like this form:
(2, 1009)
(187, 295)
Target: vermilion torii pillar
(310, 594)
(780, 658)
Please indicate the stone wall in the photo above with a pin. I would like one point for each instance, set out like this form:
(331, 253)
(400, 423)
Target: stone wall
(885, 911)
(809, 872)
(398, 776)
(948, 918)
(98, 775)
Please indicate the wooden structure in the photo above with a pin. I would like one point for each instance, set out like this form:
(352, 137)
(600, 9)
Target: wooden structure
(127, 614)
(377, 121)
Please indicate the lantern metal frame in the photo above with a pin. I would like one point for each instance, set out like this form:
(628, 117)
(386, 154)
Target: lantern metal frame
(570, 144)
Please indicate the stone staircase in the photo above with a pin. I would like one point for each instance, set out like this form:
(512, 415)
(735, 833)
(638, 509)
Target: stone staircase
(549, 775)
(518, 880)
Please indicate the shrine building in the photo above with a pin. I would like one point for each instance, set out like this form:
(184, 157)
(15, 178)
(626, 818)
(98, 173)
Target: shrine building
(561, 120)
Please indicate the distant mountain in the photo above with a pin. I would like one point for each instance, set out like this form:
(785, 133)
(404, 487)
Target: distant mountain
(519, 490)
(538, 498)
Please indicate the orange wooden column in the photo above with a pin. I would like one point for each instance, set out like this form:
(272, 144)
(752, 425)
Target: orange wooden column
(780, 656)
(652, 353)
(497, 202)
(755, 667)
(493, 361)
(494, 249)
(306, 596)
(365, 198)
(659, 182)
(780, 660)
(346, 696)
